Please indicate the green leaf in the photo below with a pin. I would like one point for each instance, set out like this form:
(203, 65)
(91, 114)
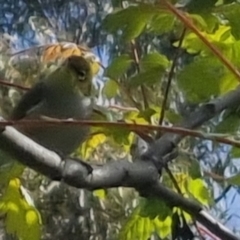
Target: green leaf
(132, 20)
(153, 207)
(235, 152)
(120, 135)
(172, 116)
(232, 52)
(153, 61)
(148, 77)
(199, 80)
(229, 124)
(201, 5)
(221, 38)
(119, 66)
(153, 66)
(147, 114)
(231, 13)
(10, 171)
(162, 22)
(141, 228)
(198, 189)
(110, 89)
(235, 180)
(100, 193)
(90, 145)
(195, 170)
(21, 218)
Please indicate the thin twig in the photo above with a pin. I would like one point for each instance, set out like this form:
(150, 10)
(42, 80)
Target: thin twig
(130, 126)
(8, 84)
(136, 60)
(169, 80)
(188, 23)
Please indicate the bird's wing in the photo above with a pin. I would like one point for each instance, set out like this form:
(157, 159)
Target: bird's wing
(30, 101)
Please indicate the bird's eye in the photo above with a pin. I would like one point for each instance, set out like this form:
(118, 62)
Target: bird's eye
(81, 75)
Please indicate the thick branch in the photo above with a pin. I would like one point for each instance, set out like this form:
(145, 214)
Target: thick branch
(141, 175)
(169, 141)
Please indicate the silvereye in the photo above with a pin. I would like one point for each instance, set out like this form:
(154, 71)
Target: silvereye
(63, 94)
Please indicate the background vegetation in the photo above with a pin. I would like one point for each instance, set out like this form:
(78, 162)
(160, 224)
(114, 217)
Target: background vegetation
(162, 61)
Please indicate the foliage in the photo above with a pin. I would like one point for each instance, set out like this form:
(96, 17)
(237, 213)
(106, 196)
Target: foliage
(145, 48)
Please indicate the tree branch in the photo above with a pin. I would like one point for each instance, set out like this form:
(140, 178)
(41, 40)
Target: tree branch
(141, 175)
(204, 113)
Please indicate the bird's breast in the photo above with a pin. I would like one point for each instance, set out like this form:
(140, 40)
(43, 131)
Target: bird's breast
(62, 138)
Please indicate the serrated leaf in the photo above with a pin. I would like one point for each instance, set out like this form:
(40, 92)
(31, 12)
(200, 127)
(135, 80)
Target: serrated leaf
(118, 66)
(110, 89)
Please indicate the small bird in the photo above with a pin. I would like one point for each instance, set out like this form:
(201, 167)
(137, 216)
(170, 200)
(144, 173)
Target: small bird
(63, 94)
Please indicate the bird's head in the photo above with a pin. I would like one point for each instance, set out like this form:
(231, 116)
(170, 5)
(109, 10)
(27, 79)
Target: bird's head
(81, 72)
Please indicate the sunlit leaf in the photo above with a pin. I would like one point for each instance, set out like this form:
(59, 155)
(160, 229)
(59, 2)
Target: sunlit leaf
(22, 219)
(221, 38)
(110, 89)
(198, 189)
(147, 114)
(101, 194)
(91, 144)
(138, 227)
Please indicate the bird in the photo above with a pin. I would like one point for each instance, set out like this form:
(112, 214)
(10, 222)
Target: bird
(65, 93)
